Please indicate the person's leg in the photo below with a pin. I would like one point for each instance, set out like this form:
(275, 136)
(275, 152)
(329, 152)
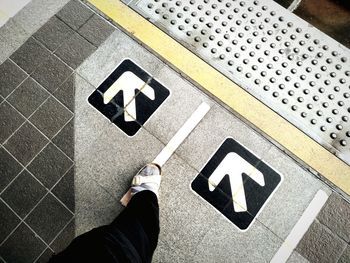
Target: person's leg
(132, 236)
(142, 212)
(139, 223)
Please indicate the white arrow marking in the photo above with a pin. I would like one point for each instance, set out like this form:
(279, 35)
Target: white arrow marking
(128, 82)
(234, 166)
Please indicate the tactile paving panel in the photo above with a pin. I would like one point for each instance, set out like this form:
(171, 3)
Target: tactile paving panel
(295, 69)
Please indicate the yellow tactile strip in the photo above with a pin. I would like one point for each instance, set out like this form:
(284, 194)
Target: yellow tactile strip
(228, 92)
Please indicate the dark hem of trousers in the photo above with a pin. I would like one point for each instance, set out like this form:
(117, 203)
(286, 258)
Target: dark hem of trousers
(131, 237)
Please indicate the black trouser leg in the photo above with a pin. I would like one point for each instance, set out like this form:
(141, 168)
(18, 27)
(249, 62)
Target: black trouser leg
(139, 222)
(131, 237)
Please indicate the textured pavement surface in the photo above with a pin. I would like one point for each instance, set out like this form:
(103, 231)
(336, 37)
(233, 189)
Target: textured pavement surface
(64, 166)
(37, 88)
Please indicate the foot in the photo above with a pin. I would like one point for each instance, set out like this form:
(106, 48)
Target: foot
(148, 178)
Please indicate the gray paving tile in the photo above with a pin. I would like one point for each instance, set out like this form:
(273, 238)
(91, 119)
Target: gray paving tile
(295, 257)
(94, 207)
(51, 117)
(53, 33)
(10, 120)
(28, 97)
(210, 133)
(64, 238)
(75, 50)
(176, 172)
(66, 93)
(345, 257)
(75, 14)
(26, 143)
(115, 170)
(96, 30)
(36, 13)
(173, 113)
(164, 253)
(8, 221)
(30, 55)
(6, 50)
(224, 243)
(295, 193)
(45, 257)
(320, 245)
(14, 34)
(336, 216)
(48, 218)
(52, 73)
(185, 218)
(10, 77)
(22, 246)
(90, 120)
(9, 168)
(64, 190)
(65, 139)
(50, 165)
(23, 193)
(116, 48)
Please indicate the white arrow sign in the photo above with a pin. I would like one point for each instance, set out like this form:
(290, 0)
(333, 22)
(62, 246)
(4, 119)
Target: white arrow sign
(128, 82)
(234, 166)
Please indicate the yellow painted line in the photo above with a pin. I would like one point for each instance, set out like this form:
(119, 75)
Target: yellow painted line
(269, 122)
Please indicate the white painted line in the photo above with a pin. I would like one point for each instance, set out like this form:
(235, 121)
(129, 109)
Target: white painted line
(300, 227)
(294, 5)
(181, 134)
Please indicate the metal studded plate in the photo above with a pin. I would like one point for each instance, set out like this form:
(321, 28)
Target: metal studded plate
(295, 69)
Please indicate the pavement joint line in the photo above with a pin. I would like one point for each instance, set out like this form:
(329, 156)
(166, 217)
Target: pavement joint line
(74, 30)
(30, 75)
(42, 253)
(28, 121)
(252, 110)
(14, 229)
(48, 190)
(53, 240)
(60, 232)
(300, 228)
(331, 231)
(49, 92)
(14, 133)
(23, 169)
(59, 200)
(7, 186)
(22, 220)
(182, 134)
(27, 76)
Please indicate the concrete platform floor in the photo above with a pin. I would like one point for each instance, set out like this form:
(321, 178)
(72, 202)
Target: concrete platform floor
(64, 166)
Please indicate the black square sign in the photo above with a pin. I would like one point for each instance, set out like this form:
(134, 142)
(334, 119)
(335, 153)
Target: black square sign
(236, 183)
(128, 97)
